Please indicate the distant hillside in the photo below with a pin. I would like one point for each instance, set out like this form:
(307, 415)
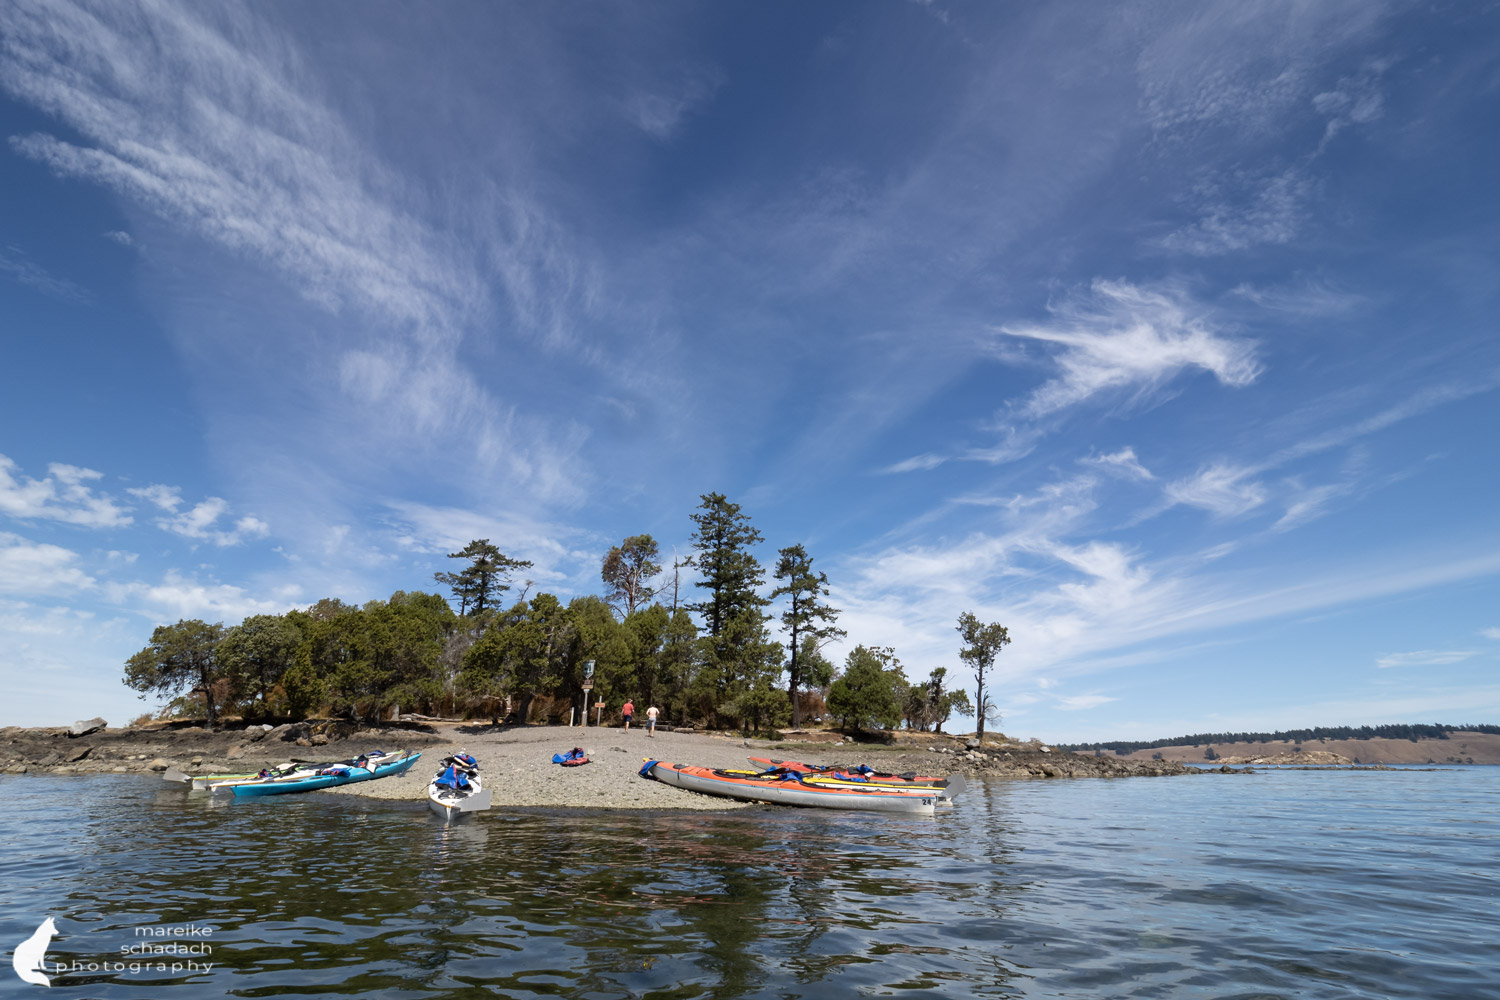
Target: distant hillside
(1396, 731)
(1457, 746)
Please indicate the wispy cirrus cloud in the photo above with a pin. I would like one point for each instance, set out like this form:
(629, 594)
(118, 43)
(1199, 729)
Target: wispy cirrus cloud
(1425, 658)
(1221, 488)
(1122, 462)
(17, 265)
(64, 494)
(1490, 633)
(216, 121)
(1127, 339)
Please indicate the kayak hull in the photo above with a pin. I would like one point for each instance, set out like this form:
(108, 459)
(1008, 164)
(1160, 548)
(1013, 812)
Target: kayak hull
(451, 803)
(795, 793)
(317, 782)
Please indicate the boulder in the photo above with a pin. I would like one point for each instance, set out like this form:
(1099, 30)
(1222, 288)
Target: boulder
(78, 754)
(84, 727)
(320, 740)
(49, 759)
(971, 744)
(158, 765)
(235, 753)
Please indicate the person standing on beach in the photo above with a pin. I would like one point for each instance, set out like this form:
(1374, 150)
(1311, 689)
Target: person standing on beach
(627, 712)
(651, 714)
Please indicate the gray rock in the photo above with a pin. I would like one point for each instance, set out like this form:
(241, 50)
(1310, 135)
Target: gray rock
(158, 765)
(235, 753)
(971, 744)
(49, 759)
(320, 740)
(84, 727)
(78, 754)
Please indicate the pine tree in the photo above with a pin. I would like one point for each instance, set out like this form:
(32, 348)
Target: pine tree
(805, 618)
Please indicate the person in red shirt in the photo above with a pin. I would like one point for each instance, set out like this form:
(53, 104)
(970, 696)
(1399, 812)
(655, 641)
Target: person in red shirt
(627, 712)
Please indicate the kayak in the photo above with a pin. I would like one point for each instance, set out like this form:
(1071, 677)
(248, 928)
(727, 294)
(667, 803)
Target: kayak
(853, 779)
(327, 777)
(457, 789)
(295, 770)
(852, 770)
(789, 789)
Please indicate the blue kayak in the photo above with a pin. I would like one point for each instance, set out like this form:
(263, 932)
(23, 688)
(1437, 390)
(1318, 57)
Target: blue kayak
(329, 777)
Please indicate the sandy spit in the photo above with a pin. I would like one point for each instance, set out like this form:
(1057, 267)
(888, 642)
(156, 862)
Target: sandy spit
(517, 767)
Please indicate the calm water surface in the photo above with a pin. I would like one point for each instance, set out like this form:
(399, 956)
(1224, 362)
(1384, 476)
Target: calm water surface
(1291, 884)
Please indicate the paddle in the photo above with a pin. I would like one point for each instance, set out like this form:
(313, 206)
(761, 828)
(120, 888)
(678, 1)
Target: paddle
(475, 803)
(172, 774)
(956, 784)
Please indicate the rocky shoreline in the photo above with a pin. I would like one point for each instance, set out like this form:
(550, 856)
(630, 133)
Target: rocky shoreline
(516, 760)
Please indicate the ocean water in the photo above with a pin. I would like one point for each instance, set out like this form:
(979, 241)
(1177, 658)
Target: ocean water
(1302, 884)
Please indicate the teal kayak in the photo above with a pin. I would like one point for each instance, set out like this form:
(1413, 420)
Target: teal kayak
(328, 777)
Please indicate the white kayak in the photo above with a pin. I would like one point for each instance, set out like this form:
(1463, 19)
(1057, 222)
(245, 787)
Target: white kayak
(451, 802)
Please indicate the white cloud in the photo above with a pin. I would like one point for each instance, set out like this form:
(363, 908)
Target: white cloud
(122, 238)
(63, 495)
(1123, 462)
(31, 568)
(1083, 701)
(1425, 658)
(1131, 338)
(165, 497)
(1490, 633)
(201, 521)
(1220, 488)
(917, 463)
(177, 597)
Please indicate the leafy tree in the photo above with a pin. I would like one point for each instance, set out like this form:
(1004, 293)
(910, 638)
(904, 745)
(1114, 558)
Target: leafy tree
(521, 654)
(478, 586)
(870, 691)
(982, 643)
(806, 619)
(180, 656)
(258, 652)
(626, 570)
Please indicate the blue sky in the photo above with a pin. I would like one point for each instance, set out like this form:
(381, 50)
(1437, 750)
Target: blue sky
(1163, 334)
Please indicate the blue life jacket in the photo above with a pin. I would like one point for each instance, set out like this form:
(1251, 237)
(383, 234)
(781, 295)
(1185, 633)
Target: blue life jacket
(453, 778)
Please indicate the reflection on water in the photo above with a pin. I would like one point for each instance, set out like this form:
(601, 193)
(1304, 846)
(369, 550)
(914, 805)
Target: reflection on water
(1300, 884)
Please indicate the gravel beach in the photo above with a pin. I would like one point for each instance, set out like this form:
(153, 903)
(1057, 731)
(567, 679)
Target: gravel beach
(517, 767)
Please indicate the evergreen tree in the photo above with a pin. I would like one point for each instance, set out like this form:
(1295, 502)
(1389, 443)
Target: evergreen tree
(731, 573)
(258, 652)
(871, 690)
(736, 654)
(478, 586)
(805, 619)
